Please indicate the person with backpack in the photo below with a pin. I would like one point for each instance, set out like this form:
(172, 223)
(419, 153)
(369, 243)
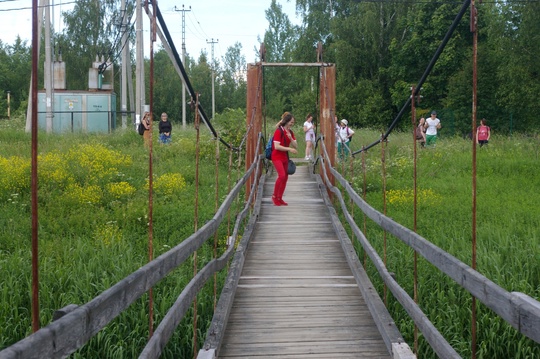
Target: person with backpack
(147, 136)
(344, 139)
(421, 132)
(283, 143)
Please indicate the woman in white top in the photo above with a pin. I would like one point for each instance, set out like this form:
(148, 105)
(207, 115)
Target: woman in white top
(309, 130)
(432, 125)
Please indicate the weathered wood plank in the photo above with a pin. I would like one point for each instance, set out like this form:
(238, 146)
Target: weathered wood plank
(296, 296)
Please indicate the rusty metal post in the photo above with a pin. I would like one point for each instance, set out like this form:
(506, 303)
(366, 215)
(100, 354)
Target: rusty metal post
(253, 117)
(383, 175)
(196, 217)
(474, 30)
(327, 95)
(364, 191)
(151, 169)
(34, 195)
(415, 202)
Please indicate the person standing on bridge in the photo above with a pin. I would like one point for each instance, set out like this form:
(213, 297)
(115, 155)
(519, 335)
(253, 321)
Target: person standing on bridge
(284, 142)
(432, 125)
(309, 130)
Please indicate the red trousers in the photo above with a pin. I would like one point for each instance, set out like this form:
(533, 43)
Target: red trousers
(281, 181)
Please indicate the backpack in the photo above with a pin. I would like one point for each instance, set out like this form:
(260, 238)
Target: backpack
(268, 148)
(350, 138)
(141, 128)
(419, 133)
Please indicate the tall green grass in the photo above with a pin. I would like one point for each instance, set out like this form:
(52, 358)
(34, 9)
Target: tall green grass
(92, 234)
(93, 228)
(508, 231)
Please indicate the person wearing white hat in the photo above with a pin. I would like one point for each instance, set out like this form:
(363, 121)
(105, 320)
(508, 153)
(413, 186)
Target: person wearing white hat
(345, 135)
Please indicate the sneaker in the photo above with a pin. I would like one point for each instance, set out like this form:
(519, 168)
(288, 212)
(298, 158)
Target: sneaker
(276, 201)
(282, 202)
(307, 158)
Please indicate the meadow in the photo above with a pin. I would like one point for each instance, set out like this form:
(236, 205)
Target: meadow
(93, 228)
(508, 230)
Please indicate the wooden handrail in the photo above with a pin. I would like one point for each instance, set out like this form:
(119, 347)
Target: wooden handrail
(518, 309)
(67, 334)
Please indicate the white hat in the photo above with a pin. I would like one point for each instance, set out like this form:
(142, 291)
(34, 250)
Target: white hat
(344, 121)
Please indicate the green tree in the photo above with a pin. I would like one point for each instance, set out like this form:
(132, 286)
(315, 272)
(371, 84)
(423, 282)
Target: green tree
(167, 87)
(232, 84)
(15, 69)
(91, 29)
(518, 73)
(201, 80)
(279, 40)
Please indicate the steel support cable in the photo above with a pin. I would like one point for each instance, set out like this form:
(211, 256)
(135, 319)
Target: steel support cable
(430, 66)
(433, 336)
(176, 312)
(185, 77)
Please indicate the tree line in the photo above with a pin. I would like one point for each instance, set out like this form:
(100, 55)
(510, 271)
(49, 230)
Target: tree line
(380, 49)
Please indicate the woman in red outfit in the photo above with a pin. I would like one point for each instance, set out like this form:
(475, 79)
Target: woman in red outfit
(284, 142)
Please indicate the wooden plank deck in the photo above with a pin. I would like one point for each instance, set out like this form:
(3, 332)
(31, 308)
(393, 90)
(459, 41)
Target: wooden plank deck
(297, 297)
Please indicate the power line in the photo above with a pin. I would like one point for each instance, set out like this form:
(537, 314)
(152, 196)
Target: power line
(30, 8)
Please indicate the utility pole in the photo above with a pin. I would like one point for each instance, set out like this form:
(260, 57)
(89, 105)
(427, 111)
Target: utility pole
(29, 109)
(123, 28)
(49, 100)
(139, 64)
(183, 61)
(212, 42)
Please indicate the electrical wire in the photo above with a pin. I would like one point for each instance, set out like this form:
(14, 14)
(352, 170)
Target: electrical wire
(30, 8)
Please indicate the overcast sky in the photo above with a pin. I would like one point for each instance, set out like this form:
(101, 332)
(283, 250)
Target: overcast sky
(223, 21)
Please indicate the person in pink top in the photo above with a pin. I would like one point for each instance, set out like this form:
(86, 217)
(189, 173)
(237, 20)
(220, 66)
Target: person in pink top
(284, 142)
(483, 133)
